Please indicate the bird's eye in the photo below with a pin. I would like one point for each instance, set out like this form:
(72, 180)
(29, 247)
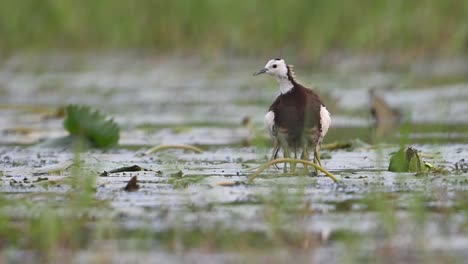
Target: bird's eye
(274, 66)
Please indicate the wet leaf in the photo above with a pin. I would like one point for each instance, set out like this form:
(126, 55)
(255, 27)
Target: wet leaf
(123, 169)
(407, 160)
(93, 126)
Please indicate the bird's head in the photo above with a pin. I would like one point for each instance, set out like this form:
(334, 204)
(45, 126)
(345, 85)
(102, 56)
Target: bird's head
(275, 67)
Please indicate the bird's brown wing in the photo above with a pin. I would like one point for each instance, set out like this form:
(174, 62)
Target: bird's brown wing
(289, 116)
(312, 122)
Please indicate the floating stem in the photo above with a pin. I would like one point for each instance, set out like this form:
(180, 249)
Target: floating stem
(164, 147)
(305, 162)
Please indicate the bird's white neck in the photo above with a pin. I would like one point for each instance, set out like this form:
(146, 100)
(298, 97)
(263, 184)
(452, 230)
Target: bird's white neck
(285, 84)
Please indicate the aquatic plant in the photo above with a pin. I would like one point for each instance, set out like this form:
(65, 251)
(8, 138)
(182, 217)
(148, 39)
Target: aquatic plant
(407, 160)
(92, 126)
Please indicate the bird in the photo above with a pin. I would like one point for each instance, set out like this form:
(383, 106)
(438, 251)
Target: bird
(298, 118)
(386, 118)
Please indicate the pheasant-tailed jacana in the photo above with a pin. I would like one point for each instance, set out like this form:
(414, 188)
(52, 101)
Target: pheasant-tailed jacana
(297, 118)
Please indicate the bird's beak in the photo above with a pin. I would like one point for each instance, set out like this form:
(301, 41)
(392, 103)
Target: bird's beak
(260, 72)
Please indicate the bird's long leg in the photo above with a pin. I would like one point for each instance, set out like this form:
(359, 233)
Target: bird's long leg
(305, 156)
(293, 165)
(283, 143)
(317, 156)
(274, 155)
(286, 154)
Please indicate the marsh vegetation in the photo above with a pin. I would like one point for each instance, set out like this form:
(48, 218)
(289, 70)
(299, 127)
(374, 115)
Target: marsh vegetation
(176, 73)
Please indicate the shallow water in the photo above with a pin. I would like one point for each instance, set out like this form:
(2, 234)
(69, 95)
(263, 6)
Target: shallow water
(192, 101)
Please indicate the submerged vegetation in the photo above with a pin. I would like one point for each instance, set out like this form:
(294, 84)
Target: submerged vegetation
(309, 28)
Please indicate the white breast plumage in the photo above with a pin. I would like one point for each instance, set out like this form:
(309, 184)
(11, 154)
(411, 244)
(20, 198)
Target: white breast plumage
(270, 122)
(325, 121)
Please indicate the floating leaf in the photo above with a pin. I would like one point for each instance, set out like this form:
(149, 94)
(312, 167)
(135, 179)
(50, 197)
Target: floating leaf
(123, 169)
(91, 125)
(407, 160)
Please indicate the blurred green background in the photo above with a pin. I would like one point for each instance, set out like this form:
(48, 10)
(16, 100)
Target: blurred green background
(308, 28)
